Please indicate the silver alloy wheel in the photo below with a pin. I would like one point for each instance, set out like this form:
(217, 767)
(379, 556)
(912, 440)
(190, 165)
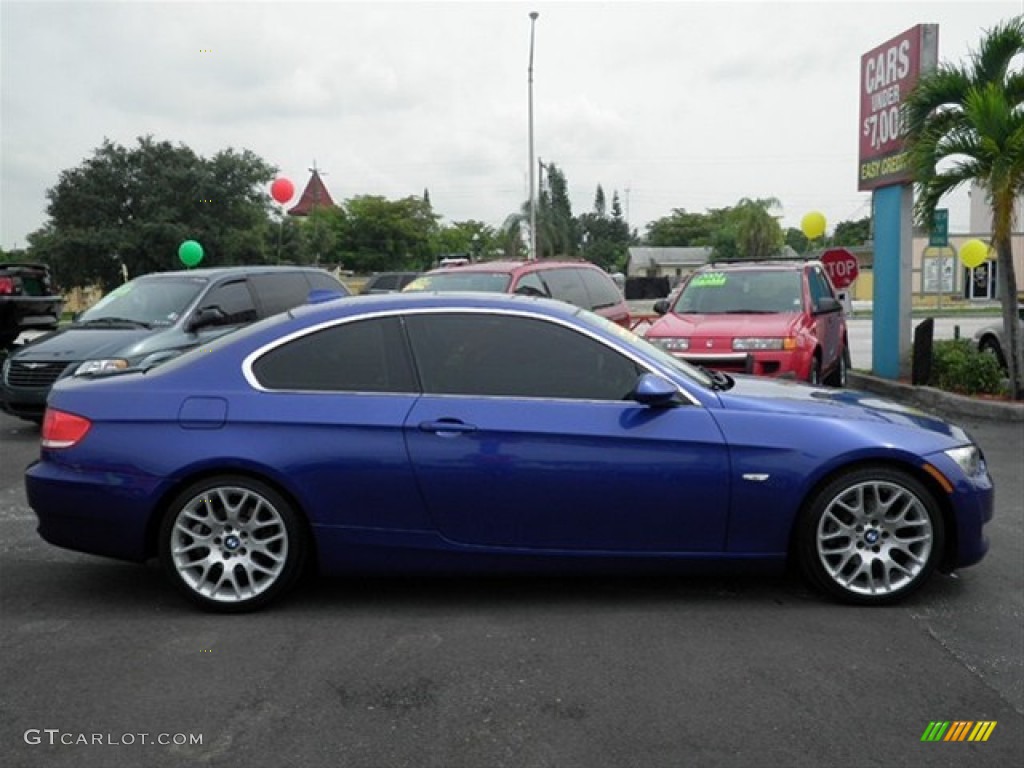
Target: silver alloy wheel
(874, 538)
(229, 544)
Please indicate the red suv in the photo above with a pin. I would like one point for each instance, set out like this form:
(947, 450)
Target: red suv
(770, 318)
(575, 282)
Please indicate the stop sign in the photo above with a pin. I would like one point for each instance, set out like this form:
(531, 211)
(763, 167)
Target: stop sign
(841, 266)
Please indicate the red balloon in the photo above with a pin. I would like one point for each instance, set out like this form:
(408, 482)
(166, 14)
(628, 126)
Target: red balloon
(282, 190)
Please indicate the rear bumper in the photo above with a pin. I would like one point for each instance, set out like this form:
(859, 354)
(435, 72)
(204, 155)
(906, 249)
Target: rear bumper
(100, 513)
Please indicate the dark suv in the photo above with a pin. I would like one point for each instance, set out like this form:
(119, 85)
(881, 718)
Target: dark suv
(574, 282)
(27, 301)
(151, 319)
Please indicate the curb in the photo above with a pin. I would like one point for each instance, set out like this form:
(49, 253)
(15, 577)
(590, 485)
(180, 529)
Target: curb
(946, 403)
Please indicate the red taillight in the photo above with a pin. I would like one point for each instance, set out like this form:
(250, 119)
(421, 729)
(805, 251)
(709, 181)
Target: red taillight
(62, 429)
(6, 285)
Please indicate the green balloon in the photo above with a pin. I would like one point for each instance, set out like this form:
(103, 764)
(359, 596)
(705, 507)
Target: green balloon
(190, 252)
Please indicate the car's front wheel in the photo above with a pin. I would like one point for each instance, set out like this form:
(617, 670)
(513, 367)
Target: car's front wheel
(839, 375)
(990, 345)
(232, 543)
(872, 536)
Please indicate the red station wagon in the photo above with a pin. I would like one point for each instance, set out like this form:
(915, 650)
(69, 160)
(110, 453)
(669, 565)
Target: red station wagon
(574, 282)
(769, 318)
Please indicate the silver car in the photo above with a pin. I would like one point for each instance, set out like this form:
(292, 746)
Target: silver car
(991, 338)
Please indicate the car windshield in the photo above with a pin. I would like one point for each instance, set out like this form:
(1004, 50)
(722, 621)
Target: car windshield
(742, 291)
(148, 301)
(650, 350)
(489, 282)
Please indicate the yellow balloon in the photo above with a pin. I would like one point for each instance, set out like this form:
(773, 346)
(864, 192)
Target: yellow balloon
(973, 253)
(813, 225)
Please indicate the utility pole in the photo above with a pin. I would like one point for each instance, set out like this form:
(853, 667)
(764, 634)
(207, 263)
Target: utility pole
(533, 189)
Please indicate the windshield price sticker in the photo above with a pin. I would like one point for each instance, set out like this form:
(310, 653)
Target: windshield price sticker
(709, 279)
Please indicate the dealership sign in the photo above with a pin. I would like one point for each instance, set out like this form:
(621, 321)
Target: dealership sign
(887, 75)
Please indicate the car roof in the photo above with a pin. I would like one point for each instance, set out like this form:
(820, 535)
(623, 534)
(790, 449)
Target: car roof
(420, 300)
(513, 265)
(216, 272)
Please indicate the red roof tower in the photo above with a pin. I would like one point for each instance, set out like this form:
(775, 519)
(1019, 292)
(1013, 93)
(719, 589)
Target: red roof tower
(315, 195)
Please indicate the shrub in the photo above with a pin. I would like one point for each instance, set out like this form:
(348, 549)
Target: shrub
(958, 366)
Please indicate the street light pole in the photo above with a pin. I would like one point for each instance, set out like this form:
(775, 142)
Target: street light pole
(533, 187)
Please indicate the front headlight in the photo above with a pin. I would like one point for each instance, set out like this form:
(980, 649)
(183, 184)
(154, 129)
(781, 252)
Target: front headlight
(671, 344)
(757, 343)
(968, 458)
(106, 365)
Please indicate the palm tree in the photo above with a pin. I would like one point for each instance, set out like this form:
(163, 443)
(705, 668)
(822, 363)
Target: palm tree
(971, 121)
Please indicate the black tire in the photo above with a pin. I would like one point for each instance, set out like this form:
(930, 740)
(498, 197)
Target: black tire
(991, 345)
(871, 536)
(838, 377)
(232, 543)
(814, 377)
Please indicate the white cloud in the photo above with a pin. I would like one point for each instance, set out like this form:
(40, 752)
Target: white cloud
(674, 104)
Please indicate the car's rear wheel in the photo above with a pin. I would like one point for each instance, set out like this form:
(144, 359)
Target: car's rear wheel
(232, 543)
(872, 536)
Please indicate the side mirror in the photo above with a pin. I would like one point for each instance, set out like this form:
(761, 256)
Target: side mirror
(654, 391)
(206, 316)
(827, 304)
(661, 306)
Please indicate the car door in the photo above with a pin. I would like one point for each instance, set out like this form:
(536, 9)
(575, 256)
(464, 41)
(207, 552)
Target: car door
(340, 397)
(828, 327)
(523, 439)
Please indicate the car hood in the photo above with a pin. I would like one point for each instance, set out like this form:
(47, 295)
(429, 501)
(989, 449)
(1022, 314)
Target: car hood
(754, 393)
(724, 325)
(74, 344)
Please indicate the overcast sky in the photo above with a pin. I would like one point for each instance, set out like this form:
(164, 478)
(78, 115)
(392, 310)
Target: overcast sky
(689, 105)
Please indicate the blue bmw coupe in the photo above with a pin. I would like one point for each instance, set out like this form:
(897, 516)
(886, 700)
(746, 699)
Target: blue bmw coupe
(491, 432)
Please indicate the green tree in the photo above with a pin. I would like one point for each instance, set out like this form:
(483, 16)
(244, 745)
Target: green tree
(556, 228)
(682, 229)
(604, 238)
(472, 237)
(377, 234)
(135, 206)
(966, 124)
(757, 233)
(797, 240)
(852, 232)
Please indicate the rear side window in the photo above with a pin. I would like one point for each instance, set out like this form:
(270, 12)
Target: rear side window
(321, 281)
(364, 356)
(567, 285)
(280, 291)
(603, 291)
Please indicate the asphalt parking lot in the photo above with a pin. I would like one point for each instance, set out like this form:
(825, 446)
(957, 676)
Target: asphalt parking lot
(102, 661)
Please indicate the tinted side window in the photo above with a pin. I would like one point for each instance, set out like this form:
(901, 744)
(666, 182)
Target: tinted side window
(530, 285)
(322, 281)
(280, 291)
(566, 285)
(364, 356)
(603, 292)
(234, 300)
(819, 285)
(504, 355)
